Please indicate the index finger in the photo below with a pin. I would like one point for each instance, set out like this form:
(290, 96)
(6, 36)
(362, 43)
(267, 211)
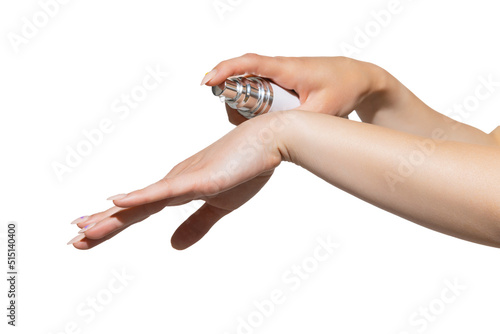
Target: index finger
(275, 68)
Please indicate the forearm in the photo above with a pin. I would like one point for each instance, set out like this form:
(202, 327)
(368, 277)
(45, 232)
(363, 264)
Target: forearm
(447, 186)
(390, 104)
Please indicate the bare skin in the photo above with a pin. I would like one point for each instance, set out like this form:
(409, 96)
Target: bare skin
(404, 157)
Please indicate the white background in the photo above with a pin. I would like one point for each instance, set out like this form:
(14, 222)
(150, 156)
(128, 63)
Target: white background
(64, 80)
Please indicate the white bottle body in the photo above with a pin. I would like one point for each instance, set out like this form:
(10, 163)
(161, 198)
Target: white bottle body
(283, 99)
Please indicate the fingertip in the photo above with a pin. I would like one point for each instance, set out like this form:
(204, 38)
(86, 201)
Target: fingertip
(80, 245)
(121, 203)
(208, 78)
(176, 245)
(123, 200)
(152, 193)
(245, 65)
(181, 240)
(120, 200)
(116, 197)
(217, 79)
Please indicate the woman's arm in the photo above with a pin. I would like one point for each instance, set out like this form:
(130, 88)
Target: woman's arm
(394, 106)
(339, 85)
(411, 161)
(451, 187)
(448, 186)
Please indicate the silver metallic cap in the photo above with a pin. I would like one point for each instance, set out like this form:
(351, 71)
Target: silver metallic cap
(250, 96)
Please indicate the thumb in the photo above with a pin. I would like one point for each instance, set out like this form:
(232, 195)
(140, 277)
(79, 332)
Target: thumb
(196, 226)
(177, 189)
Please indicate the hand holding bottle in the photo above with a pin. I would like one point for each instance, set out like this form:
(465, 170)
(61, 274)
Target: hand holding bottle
(330, 85)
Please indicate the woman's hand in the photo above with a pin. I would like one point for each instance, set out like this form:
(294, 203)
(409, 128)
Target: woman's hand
(339, 85)
(329, 85)
(225, 175)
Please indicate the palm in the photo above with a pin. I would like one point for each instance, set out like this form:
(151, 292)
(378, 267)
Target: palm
(233, 198)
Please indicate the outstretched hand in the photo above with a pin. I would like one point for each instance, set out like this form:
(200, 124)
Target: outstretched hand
(225, 175)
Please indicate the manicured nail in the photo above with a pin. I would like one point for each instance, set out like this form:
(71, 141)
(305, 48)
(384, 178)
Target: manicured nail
(208, 76)
(86, 228)
(76, 239)
(119, 196)
(80, 220)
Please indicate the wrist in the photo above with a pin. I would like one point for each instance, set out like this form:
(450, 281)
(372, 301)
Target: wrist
(379, 79)
(381, 86)
(268, 133)
(279, 127)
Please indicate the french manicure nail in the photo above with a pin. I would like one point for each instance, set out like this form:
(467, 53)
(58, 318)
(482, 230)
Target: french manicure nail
(115, 197)
(80, 220)
(76, 239)
(86, 228)
(209, 76)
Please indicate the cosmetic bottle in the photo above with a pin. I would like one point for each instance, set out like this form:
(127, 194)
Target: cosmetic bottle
(253, 96)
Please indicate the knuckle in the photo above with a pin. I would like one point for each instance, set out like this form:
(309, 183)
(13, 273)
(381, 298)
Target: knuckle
(250, 56)
(177, 169)
(345, 60)
(251, 59)
(165, 185)
(281, 59)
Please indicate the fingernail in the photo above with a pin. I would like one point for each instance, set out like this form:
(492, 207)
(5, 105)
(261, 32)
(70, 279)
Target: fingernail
(208, 76)
(86, 228)
(76, 239)
(119, 196)
(80, 220)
